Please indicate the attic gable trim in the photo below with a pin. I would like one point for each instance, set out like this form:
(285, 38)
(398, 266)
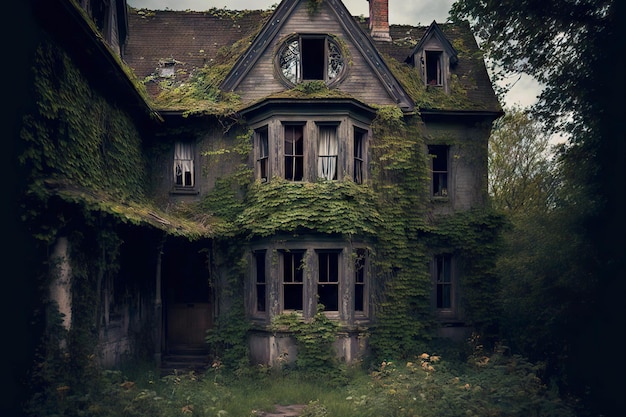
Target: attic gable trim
(247, 60)
(438, 33)
(359, 39)
(369, 51)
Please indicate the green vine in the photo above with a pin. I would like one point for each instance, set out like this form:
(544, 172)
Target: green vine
(332, 207)
(314, 339)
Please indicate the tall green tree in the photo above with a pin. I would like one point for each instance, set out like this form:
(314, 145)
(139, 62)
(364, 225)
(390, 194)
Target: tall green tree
(520, 177)
(571, 47)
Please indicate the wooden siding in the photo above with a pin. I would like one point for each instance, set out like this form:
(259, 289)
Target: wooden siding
(360, 81)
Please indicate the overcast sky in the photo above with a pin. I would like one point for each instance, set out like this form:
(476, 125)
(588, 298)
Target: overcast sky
(409, 12)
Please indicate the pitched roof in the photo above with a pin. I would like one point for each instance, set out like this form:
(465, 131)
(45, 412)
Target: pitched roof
(434, 30)
(219, 37)
(358, 38)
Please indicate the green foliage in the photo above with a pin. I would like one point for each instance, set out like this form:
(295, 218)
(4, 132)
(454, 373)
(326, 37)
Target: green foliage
(476, 236)
(314, 339)
(402, 290)
(496, 384)
(66, 368)
(311, 87)
(199, 92)
(73, 141)
(314, 409)
(76, 135)
(520, 170)
(333, 207)
(568, 48)
(225, 200)
(227, 339)
(487, 385)
(429, 97)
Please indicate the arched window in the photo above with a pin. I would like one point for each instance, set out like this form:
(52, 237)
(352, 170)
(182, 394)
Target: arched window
(310, 57)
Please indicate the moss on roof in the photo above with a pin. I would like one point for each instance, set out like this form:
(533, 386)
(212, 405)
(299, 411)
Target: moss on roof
(179, 221)
(195, 88)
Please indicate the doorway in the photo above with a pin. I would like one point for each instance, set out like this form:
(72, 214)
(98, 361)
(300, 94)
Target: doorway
(187, 304)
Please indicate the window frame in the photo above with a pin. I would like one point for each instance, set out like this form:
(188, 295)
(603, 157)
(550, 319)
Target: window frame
(295, 156)
(345, 126)
(359, 175)
(337, 285)
(180, 149)
(262, 160)
(439, 176)
(331, 49)
(360, 253)
(293, 283)
(259, 255)
(447, 260)
(308, 249)
(320, 170)
(434, 58)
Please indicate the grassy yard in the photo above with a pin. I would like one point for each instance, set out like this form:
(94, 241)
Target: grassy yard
(428, 385)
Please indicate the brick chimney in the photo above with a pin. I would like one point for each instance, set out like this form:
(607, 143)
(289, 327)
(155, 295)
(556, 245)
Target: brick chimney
(379, 20)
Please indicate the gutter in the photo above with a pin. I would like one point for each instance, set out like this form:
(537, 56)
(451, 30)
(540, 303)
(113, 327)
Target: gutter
(478, 114)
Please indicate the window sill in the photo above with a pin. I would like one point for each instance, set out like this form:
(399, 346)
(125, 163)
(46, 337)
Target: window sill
(439, 199)
(448, 318)
(184, 191)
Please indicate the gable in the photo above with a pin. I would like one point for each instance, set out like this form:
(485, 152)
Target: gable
(364, 74)
(206, 47)
(434, 39)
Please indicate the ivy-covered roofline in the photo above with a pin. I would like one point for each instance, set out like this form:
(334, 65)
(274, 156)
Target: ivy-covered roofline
(133, 212)
(80, 33)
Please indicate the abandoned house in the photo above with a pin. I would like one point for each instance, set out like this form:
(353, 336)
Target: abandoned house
(189, 170)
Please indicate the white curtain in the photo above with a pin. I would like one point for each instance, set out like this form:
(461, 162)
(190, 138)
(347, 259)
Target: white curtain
(327, 147)
(183, 163)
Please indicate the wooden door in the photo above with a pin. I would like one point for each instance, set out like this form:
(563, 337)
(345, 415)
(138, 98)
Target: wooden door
(187, 324)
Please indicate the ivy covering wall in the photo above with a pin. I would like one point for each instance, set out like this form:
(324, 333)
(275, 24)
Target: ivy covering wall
(392, 212)
(82, 158)
(77, 137)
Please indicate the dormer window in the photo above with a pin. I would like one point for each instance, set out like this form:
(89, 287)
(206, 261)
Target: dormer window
(167, 69)
(310, 57)
(434, 67)
(434, 57)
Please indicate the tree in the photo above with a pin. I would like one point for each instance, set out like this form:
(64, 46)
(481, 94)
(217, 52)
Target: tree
(570, 46)
(519, 163)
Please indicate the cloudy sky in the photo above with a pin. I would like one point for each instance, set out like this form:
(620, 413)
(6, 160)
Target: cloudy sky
(409, 12)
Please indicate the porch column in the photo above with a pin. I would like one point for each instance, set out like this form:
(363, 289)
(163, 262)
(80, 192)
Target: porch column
(60, 290)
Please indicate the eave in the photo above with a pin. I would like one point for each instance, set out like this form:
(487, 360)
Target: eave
(79, 34)
(466, 115)
(326, 106)
(133, 212)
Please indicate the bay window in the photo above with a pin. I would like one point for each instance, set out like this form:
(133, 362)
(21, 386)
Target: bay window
(294, 152)
(328, 149)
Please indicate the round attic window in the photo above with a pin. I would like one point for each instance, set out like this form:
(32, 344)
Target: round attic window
(310, 57)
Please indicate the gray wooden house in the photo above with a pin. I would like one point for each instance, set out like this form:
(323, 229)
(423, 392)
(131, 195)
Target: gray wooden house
(266, 176)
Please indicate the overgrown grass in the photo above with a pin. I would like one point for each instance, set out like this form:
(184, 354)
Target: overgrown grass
(495, 385)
